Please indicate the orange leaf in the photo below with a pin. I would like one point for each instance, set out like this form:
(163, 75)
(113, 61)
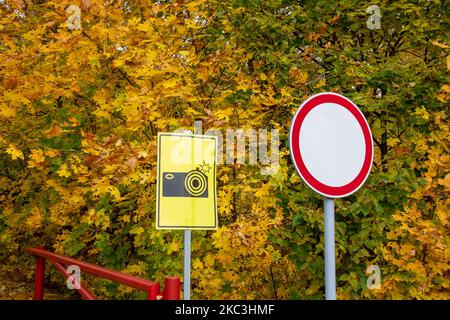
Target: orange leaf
(54, 131)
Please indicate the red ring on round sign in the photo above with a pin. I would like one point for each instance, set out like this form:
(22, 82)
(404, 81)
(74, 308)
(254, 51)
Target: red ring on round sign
(294, 139)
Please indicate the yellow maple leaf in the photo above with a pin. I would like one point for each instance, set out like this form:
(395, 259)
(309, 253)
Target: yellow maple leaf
(52, 153)
(77, 198)
(136, 269)
(443, 215)
(125, 218)
(320, 84)
(224, 258)
(209, 260)
(137, 230)
(37, 155)
(63, 171)
(34, 220)
(285, 92)
(114, 192)
(36, 158)
(103, 187)
(440, 45)
(442, 97)
(197, 264)
(298, 76)
(422, 112)
(6, 111)
(119, 63)
(392, 142)
(174, 246)
(14, 152)
(170, 83)
(445, 182)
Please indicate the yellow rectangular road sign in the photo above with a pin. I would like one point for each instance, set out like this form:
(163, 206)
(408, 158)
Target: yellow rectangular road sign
(186, 182)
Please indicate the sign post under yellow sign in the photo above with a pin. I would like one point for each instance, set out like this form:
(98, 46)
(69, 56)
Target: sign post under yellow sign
(186, 182)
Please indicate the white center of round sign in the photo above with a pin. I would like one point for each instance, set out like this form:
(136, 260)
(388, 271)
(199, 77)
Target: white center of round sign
(332, 144)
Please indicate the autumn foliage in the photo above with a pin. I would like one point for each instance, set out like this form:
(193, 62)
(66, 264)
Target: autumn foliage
(80, 110)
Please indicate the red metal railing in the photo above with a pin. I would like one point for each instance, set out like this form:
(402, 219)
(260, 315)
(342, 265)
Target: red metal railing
(171, 284)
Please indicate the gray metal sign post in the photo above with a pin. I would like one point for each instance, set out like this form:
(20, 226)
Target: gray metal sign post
(187, 265)
(330, 256)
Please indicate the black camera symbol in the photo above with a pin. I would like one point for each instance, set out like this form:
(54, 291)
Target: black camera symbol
(185, 184)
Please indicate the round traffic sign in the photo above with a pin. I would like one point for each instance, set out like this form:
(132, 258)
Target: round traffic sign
(331, 145)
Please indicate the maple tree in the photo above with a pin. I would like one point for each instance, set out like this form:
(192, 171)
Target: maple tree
(80, 109)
